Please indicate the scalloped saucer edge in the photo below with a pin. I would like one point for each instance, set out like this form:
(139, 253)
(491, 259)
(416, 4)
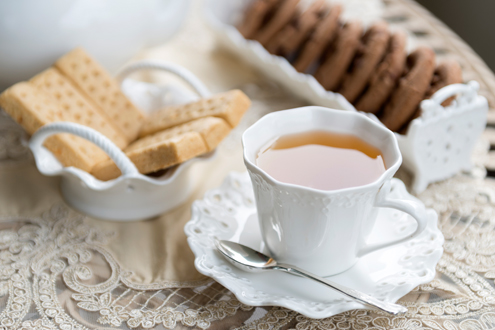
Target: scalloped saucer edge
(229, 212)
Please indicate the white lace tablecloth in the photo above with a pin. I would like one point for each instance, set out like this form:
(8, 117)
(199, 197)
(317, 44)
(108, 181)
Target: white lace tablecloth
(62, 270)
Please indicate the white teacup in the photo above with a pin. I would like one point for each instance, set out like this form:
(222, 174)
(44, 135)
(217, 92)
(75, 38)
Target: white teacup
(324, 232)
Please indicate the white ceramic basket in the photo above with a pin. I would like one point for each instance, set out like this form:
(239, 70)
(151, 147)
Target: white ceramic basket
(132, 196)
(438, 144)
(435, 146)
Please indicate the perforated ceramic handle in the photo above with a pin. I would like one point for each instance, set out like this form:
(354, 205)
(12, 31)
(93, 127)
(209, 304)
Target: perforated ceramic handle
(415, 209)
(120, 159)
(178, 70)
(467, 92)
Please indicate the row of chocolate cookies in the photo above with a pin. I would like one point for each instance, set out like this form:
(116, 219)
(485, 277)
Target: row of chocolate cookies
(370, 68)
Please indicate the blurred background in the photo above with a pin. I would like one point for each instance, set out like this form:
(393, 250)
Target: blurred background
(472, 20)
(53, 27)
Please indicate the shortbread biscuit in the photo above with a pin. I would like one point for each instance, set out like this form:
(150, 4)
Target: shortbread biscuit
(283, 12)
(254, 17)
(324, 32)
(370, 51)
(290, 38)
(103, 90)
(410, 90)
(169, 147)
(156, 156)
(387, 74)
(29, 108)
(76, 108)
(229, 106)
(340, 55)
(32, 110)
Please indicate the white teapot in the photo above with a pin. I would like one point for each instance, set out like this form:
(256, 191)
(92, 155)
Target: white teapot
(33, 34)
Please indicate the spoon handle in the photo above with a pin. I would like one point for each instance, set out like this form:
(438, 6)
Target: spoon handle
(351, 293)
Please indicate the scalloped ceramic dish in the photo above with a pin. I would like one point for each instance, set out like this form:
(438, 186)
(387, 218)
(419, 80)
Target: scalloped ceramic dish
(229, 213)
(132, 196)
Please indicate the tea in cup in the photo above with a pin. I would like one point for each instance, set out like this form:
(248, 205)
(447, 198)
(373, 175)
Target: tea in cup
(322, 160)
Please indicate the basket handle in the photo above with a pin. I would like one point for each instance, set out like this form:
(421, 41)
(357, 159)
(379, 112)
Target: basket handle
(178, 70)
(467, 93)
(121, 160)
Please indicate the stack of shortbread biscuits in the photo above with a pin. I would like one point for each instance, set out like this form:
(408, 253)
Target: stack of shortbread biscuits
(77, 89)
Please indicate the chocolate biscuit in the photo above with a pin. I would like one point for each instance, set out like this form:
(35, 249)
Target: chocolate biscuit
(370, 52)
(340, 54)
(254, 17)
(324, 32)
(290, 38)
(411, 89)
(284, 11)
(446, 73)
(383, 82)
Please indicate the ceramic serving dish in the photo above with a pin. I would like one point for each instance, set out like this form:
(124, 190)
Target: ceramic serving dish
(432, 149)
(439, 144)
(132, 196)
(33, 34)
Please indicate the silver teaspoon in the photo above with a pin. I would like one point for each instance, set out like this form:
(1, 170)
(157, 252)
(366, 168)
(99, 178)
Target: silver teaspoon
(253, 261)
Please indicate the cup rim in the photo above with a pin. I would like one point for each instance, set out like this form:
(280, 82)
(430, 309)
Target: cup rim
(390, 171)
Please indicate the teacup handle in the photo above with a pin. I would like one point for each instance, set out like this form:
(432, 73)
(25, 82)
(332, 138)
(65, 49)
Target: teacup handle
(415, 209)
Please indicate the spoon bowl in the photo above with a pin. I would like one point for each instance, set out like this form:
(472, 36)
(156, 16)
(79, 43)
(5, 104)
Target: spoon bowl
(244, 257)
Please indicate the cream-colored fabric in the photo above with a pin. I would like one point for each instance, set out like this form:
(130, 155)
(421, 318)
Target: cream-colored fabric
(59, 269)
(24, 191)
(156, 249)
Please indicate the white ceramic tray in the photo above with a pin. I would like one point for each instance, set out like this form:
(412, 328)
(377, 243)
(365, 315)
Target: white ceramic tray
(229, 212)
(439, 144)
(131, 196)
(432, 149)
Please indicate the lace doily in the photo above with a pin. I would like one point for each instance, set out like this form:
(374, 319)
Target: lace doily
(57, 272)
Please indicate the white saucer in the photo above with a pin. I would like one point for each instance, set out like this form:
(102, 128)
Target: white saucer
(229, 213)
